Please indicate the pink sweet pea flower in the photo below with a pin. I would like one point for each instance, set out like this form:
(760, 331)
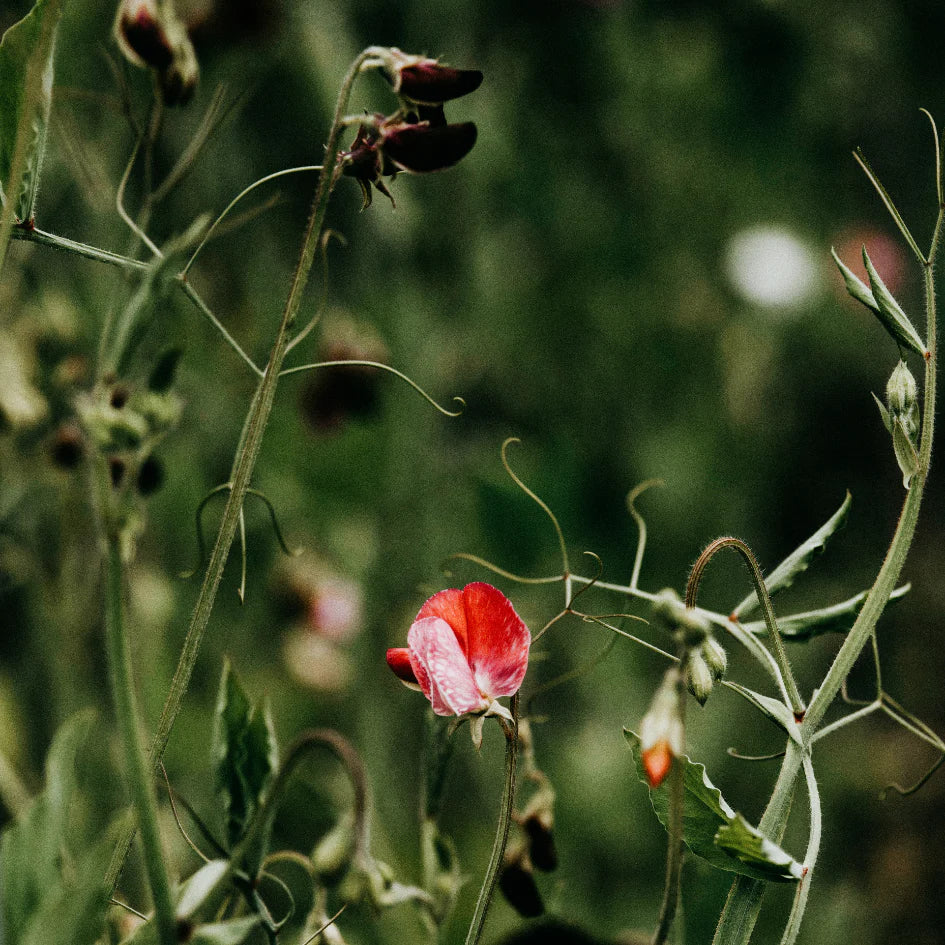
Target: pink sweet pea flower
(465, 649)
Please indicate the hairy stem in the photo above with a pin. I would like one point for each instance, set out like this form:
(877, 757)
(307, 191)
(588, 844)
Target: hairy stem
(501, 832)
(247, 453)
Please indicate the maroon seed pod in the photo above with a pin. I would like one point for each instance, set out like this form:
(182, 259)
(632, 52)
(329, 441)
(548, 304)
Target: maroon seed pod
(541, 844)
(425, 148)
(428, 82)
(520, 889)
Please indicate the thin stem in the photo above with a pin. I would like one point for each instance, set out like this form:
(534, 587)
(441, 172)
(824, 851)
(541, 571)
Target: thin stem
(382, 367)
(846, 720)
(674, 829)
(634, 494)
(692, 588)
(810, 857)
(247, 453)
(137, 769)
(502, 830)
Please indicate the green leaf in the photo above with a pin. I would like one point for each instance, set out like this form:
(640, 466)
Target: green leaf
(748, 845)
(231, 932)
(838, 618)
(855, 286)
(26, 78)
(202, 893)
(777, 711)
(884, 413)
(906, 455)
(43, 903)
(31, 848)
(244, 754)
(890, 313)
(705, 814)
(798, 560)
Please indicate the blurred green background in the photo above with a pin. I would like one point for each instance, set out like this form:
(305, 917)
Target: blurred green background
(631, 273)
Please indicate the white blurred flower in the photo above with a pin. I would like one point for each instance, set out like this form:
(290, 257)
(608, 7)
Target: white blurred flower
(771, 267)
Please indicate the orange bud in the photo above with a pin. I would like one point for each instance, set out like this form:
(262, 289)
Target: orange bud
(657, 761)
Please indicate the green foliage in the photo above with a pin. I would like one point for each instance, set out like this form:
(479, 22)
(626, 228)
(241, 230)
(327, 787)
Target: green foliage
(26, 79)
(53, 889)
(798, 560)
(708, 817)
(244, 753)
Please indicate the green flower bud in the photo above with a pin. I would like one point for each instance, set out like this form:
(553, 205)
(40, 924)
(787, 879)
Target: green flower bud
(699, 677)
(901, 390)
(714, 655)
(684, 623)
(332, 857)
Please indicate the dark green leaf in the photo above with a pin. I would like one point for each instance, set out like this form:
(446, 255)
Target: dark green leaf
(750, 846)
(838, 618)
(798, 560)
(244, 754)
(705, 813)
(889, 312)
(777, 711)
(906, 455)
(26, 76)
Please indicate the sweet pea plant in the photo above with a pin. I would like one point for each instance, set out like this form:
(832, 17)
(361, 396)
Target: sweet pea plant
(466, 650)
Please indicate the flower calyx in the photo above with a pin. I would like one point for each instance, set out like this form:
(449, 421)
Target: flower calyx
(901, 418)
(418, 141)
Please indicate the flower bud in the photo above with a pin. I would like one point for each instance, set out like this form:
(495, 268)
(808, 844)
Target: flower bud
(140, 33)
(699, 677)
(179, 79)
(714, 655)
(684, 623)
(68, 446)
(901, 390)
(661, 730)
(541, 842)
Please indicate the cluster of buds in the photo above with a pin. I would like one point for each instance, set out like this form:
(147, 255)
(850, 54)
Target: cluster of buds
(151, 35)
(705, 659)
(417, 137)
(901, 419)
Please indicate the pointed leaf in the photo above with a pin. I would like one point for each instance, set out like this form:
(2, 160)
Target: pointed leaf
(884, 413)
(244, 754)
(201, 894)
(798, 560)
(777, 711)
(231, 932)
(749, 845)
(26, 77)
(706, 811)
(890, 313)
(838, 618)
(906, 455)
(855, 286)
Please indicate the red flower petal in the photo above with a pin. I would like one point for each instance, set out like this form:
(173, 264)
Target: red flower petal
(441, 668)
(398, 659)
(497, 640)
(448, 605)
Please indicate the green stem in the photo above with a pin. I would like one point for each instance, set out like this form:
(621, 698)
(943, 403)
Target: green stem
(247, 454)
(13, 792)
(137, 770)
(744, 901)
(501, 832)
(677, 809)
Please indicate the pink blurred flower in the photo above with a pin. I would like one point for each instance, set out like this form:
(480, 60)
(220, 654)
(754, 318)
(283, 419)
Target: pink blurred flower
(465, 649)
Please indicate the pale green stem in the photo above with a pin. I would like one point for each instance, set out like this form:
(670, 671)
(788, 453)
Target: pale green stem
(502, 830)
(744, 901)
(246, 456)
(810, 858)
(13, 792)
(137, 770)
